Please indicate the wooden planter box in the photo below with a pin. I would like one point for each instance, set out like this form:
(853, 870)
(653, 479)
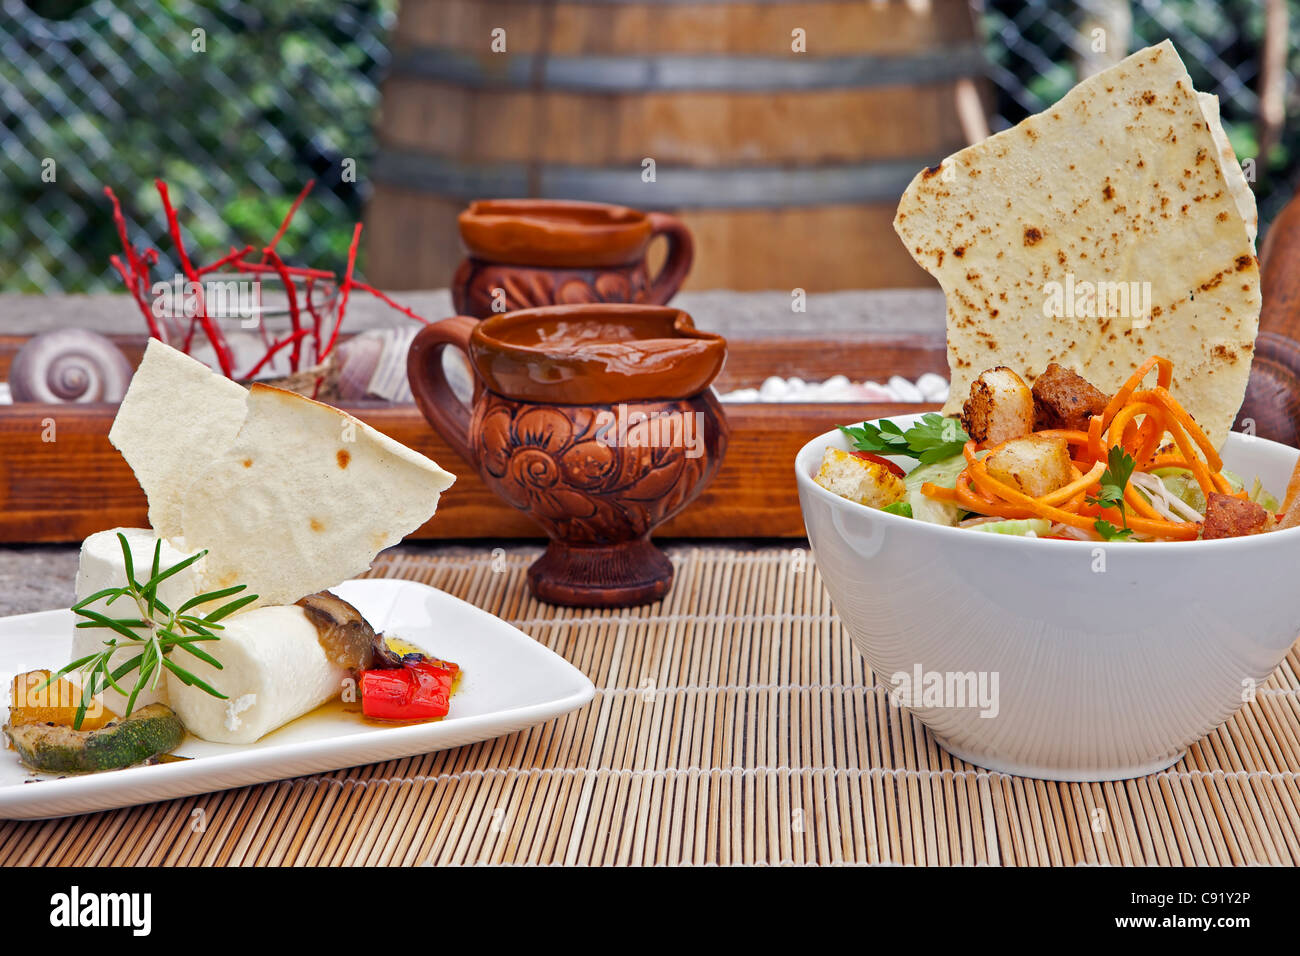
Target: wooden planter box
(76, 484)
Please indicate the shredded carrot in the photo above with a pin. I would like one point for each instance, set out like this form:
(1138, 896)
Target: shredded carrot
(1081, 483)
(971, 499)
(1094, 438)
(1128, 438)
(1194, 464)
(1136, 419)
(990, 485)
(1126, 417)
(1164, 377)
(938, 492)
(1149, 438)
(1161, 396)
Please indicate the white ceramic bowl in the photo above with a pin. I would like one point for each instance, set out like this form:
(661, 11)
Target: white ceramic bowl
(1099, 661)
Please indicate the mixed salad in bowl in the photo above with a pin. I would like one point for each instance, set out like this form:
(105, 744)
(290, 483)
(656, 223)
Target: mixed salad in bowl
(1061, 460)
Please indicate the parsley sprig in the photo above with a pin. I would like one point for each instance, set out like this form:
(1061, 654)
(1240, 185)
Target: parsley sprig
(156, 630)
(932, 439)
(1114, 480)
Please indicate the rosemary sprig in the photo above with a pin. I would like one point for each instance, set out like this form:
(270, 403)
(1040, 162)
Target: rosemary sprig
(163, 629)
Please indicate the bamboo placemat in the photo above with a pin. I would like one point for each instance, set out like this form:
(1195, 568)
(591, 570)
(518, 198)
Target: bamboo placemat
(733, 723)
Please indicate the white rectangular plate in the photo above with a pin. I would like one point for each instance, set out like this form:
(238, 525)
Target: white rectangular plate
(509, 682)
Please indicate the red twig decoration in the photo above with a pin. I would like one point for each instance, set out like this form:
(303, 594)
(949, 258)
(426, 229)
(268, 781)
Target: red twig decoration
(294, 338)
(357, 284)
(347, 287)
(226, 260)
(125, 273)
(132, 271)
(288, 217)
(219, 344)
(135, 267)
(292, 293)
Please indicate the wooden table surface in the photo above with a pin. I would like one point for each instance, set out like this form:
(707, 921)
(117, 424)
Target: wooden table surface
(40, 577)
(733, 722)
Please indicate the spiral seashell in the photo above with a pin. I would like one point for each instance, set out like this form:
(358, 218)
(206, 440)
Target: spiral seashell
(69, 365)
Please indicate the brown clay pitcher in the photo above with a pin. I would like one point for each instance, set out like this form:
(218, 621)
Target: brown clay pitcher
(595, 420)
(525, 253)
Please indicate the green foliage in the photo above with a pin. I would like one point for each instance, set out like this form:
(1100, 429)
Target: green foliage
(932, 439)
(113, 92)
(116, 94)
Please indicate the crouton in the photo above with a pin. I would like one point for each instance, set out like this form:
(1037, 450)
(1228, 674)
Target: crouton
(1035, 465)
(1229, 517)
(866, 482)
(1000, 407)
(1065, 399)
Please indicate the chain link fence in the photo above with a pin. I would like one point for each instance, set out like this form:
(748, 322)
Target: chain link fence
(237, 102)
(1038, 49)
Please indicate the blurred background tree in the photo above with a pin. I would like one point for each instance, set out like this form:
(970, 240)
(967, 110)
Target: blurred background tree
(236, 118)
(269, 93)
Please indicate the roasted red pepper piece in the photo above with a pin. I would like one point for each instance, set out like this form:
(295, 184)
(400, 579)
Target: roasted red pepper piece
(419, 690)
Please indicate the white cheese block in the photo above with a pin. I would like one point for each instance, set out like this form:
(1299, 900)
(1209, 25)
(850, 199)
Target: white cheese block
(273, 671)
(103, 566)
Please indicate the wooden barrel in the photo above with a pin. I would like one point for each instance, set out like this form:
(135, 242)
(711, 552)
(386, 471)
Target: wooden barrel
(786, 165)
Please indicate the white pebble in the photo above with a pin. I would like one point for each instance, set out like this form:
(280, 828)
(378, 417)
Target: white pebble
(905, 390)
(773, 389)
(872, 392)
(795, 392)
(839, 388)
(933, 387)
